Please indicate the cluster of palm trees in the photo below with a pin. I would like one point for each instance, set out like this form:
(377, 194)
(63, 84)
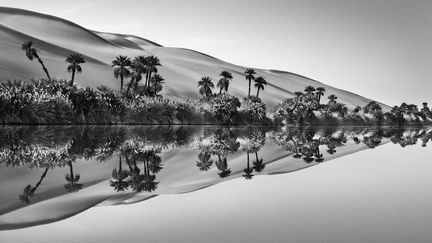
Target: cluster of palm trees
(399, 114)
(74, 60)
(303, 106)
(216, 148)
(206, 84)
(133, 177)
(136, 69)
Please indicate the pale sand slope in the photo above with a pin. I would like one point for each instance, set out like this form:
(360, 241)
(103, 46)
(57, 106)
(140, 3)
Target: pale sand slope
(179, 175)
(182, 68)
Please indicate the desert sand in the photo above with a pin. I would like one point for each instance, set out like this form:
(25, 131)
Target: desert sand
(182, 68)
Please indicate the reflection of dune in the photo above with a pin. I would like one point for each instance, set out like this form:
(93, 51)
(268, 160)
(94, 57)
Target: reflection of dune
(179, 175)
(56, 38)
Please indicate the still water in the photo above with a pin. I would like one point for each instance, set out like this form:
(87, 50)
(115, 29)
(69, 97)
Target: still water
(215, 184)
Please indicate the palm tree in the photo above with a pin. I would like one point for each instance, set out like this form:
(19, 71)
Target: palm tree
(72, 179)
(298, 95)
(222, 84)
(206, 85)
(309, 89)
(250, 76)
(320, 92)
(29, 191)
(156, 82)
(75, 59)
(259, 84)
(138, 69)
(248, 171)
(31, 53)
(204, 162)
(121, 63)
(151, 67)
(119, 183)
(224, 81)
(332, 98)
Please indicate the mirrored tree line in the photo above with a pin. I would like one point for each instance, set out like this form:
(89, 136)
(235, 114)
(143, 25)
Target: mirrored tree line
(138, 150)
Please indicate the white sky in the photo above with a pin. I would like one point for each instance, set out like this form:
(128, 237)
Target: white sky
(381, 49)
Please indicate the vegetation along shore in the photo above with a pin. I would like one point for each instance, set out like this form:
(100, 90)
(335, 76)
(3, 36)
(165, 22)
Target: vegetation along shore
(139, 100)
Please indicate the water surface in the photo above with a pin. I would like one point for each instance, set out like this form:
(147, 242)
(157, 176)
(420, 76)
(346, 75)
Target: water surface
(139, 183)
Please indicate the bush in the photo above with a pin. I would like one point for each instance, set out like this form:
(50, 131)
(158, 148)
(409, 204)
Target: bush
(254, 109)
(225, 107)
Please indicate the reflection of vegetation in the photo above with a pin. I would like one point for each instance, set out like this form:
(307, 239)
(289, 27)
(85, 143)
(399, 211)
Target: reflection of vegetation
(221, 143)
(139, 148)
(248, 170)
(204, 161)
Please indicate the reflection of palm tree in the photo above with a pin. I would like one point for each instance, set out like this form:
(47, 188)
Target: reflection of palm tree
(308, 157)
(149, 180)
(204, 162)
(248, 171)
(222, 165)
(258, 164)
(72, 179)
(331, 150)
(319, 157)
(29, 191)
(119, 183)
(297, 152)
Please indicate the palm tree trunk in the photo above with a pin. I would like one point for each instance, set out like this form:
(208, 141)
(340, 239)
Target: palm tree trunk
(249, 87)
(256, 156)
(43, 67)
(73, 76)
(146, 80)
(258, 92)
(149, 80)
(136, 85)
(129, 86)
(121, 83)
(220, 91)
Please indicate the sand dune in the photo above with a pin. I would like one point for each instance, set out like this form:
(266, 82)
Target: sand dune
(182, 68)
